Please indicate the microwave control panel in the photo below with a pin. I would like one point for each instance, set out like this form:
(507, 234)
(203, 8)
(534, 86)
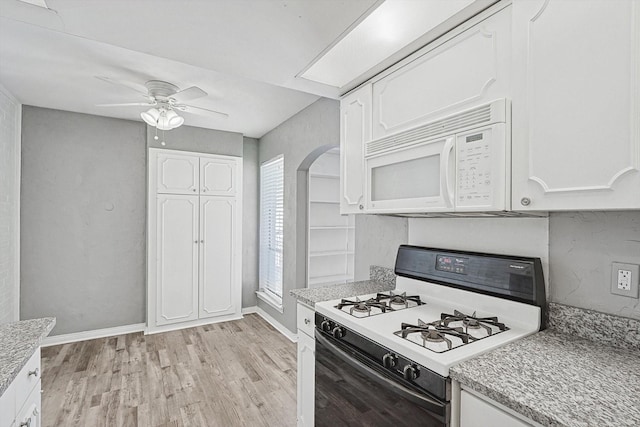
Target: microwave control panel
(473, 152)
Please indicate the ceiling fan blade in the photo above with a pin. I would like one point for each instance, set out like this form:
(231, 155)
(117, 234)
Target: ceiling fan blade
(142, 90)
(128, 104)
(199, 110)
(188, 94)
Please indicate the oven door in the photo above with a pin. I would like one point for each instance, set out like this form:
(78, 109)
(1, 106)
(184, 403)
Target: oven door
(351, 390)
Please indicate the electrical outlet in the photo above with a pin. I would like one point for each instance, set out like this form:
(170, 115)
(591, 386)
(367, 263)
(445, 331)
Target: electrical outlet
(624, 279)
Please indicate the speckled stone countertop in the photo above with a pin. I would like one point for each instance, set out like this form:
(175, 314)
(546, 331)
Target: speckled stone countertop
(382, 279)
(18, 342)
(559, 379)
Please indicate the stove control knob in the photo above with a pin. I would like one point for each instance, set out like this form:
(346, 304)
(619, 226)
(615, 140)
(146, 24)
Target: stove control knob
(325, 326)
(410, 372)
(338, 332)
(389, 360)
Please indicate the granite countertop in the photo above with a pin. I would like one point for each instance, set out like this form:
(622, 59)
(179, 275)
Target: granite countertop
(18, 342)
(311, 296)
(557, 379)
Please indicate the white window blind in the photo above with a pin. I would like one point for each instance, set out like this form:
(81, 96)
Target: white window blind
(272, 226)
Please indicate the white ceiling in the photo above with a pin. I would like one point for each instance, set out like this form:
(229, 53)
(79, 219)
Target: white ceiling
(244, 53)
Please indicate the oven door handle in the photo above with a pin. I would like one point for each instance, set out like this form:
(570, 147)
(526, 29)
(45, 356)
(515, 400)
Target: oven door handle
(437, 408)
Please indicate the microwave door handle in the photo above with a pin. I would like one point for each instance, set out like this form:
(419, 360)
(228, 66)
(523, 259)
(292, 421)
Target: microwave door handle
(445, 168)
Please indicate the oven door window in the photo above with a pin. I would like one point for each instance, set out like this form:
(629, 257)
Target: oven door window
(419, 178)
(350, 391)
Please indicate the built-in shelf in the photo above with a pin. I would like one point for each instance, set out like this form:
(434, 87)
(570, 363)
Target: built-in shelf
(330, 253)
(319, 280)
(330, 257)
(321, 175)
(328, 202)
(332, 227)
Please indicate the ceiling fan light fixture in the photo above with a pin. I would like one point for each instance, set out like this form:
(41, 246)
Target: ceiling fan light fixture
(151, 116)
(162, 118)
(173, 119)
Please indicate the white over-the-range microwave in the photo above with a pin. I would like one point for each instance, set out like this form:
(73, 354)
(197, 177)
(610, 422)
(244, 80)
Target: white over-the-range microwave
(459, 163)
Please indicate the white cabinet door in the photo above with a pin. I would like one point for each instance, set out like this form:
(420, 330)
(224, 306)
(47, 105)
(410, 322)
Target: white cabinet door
(306, 379)
(29, 415)
(218, 254)
(177, 258)
(177, 173)
(475, 412)
(218, 176)
(355, 131)
(470, 69)
(576, 105)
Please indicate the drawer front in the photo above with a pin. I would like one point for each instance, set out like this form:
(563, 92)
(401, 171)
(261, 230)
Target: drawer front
(305, 319)
(27, 379)
(29, 415)
(8, 405)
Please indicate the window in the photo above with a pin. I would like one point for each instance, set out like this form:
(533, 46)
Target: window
(271, 229)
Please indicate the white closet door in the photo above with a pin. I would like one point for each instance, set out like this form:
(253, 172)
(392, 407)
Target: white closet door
(218, 176)
(217, 274)
(177, 258)
(177, 173)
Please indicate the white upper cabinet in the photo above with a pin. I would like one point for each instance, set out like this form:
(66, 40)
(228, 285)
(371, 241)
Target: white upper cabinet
(576, 105)
(469, 69)
(217, 176)
(177, 174)
(355, 131)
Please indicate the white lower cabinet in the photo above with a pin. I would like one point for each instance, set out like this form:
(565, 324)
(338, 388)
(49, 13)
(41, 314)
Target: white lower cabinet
(20, 404)
(306, 366)
(477, 412)
(194, 243)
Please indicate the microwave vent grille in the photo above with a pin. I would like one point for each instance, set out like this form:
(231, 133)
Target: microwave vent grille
(448, 125)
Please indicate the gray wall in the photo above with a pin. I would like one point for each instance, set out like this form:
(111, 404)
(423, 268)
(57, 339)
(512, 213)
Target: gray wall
(9, 206)
(297, 138)
(189, 138)
(582, 246)
(377, 241)
(82, 220)
(250, 222)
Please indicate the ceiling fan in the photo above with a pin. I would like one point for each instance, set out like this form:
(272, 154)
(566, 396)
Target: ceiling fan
(164, 99)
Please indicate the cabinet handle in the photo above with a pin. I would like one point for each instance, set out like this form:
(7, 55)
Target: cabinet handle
(194, 190)
(201, 241)
(204, 190)
(35, 373)
(195, 241)
(35, 411)
(307, 321)
(525, 201)
(26, 423)
(361, 207)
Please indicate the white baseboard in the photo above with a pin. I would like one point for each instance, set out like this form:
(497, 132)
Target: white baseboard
(90, 335)
(273, 322)
(249, 310)
(192, 324)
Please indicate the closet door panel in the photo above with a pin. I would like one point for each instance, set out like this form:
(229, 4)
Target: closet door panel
(177, 174)
(217, 274)
(177, 259)
(218, 176)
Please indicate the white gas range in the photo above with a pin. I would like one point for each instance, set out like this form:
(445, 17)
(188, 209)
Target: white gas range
(475, 323)
(448, 306)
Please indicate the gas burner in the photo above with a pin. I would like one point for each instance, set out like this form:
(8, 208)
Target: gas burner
(400, 299)
(363, 307)
(434, 332)
(473, 322)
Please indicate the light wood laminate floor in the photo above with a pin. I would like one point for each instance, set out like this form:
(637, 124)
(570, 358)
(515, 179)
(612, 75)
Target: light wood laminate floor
(238, 373)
